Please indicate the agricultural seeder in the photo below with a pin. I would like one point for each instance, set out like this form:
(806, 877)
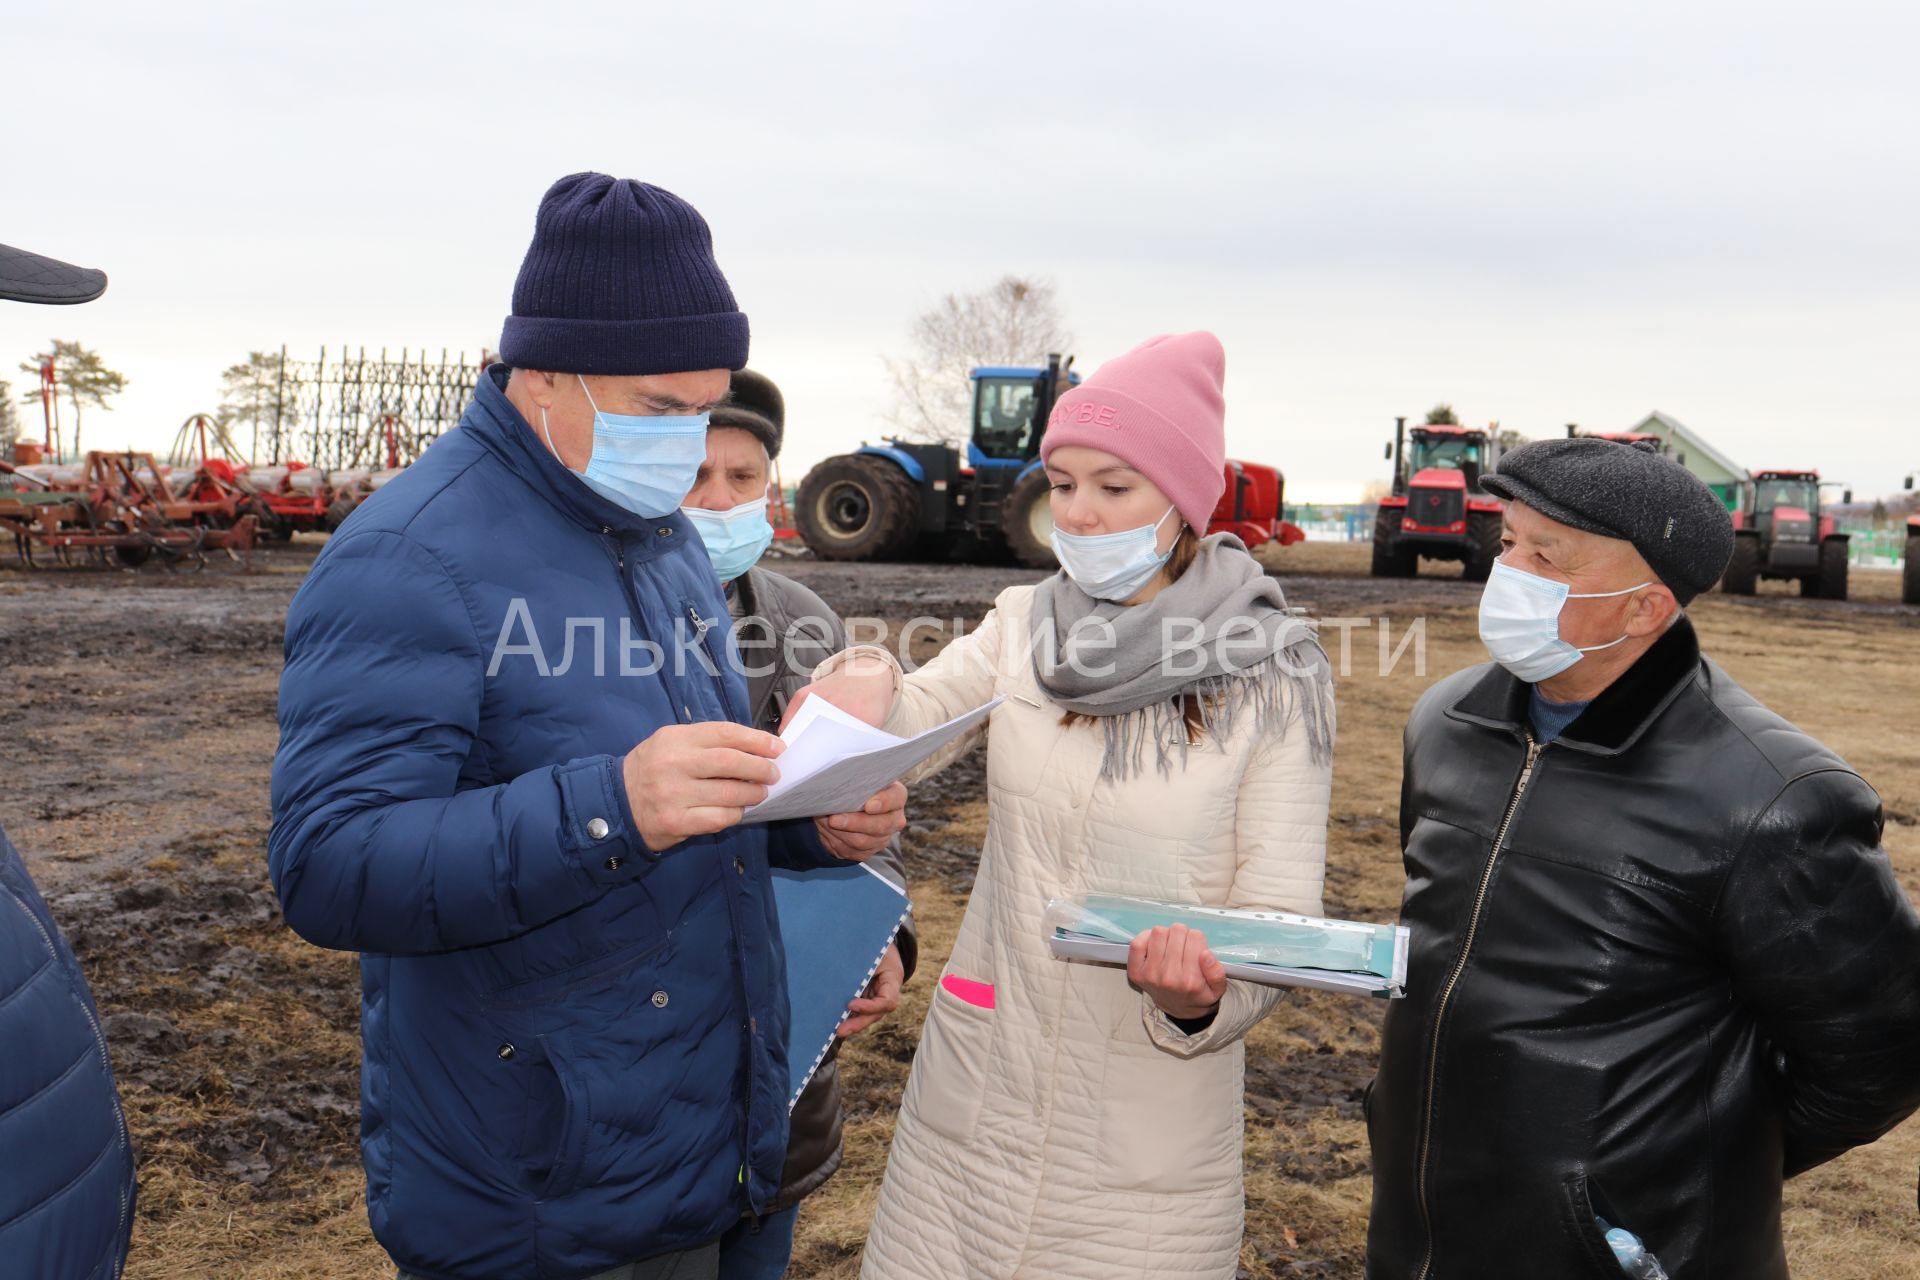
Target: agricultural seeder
(116, 509)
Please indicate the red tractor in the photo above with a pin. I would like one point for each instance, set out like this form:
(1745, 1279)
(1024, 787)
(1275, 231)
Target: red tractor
(1781, 533)
(1438, 509)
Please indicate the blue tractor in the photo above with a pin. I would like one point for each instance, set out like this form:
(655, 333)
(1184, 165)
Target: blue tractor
(903, 500)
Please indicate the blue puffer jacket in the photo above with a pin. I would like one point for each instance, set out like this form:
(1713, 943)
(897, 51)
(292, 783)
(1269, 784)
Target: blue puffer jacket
(574, 1048)
(66, 1168)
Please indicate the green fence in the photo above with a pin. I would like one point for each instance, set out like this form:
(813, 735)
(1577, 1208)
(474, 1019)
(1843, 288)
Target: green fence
(1883, 548)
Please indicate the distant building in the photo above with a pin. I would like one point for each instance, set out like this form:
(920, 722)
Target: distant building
(1722, 474)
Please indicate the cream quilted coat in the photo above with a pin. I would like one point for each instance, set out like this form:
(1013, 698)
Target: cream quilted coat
(1072, 1131)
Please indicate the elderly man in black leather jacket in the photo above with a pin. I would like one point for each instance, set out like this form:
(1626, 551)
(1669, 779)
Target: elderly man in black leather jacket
(1660, 962)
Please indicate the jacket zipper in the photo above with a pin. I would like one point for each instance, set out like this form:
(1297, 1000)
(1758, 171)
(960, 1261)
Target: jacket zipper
(685, 713)
(1446, 995)
(733, 911)
(100, 1040)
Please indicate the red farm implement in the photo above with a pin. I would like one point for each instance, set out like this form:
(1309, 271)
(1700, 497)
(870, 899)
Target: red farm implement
(119, 509)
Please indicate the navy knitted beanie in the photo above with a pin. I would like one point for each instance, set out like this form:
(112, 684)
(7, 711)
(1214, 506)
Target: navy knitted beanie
(620, 279)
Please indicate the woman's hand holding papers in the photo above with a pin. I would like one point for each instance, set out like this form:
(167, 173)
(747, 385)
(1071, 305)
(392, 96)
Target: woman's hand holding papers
(861, 686)
(855, 837)
(1174, 966)
(881, 999)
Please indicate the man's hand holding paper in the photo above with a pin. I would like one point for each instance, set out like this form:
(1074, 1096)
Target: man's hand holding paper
(698, 779)
(689, 780)
(855, 837)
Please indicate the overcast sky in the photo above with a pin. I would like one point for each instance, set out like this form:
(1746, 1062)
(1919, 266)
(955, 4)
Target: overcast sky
(1542, 213)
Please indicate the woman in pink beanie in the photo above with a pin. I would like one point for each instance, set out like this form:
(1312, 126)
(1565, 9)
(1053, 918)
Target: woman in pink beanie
(1167, 733)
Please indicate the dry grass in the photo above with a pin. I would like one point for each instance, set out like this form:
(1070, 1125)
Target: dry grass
(195, 1219)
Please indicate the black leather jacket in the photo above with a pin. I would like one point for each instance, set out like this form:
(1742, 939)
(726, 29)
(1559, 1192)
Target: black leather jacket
(787, 631)
(1658, 965)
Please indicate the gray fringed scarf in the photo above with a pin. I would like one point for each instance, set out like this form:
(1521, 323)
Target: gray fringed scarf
(1221, 632)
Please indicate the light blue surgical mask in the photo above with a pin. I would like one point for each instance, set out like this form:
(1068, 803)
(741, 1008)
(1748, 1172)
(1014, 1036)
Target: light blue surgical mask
(736, 538)
(1112, 566)
(645, 464)
(1520, 622)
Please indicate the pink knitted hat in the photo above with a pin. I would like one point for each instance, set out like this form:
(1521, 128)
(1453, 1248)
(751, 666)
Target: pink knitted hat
(1159, 409)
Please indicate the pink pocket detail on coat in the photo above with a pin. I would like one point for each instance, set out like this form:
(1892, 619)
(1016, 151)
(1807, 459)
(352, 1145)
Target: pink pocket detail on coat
(978, 994)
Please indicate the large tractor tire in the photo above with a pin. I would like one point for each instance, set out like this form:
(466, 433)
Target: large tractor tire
(337, 513)
(1027, 522)
(1743, 571)
(1910, 576)
(1391, 560)
(1483, 530)
(1831, 581)
(856, 507)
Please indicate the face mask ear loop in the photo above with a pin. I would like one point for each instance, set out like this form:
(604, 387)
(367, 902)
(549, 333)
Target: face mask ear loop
(1156, 529)
(589, 395)
(548, 437)
(1602, 595)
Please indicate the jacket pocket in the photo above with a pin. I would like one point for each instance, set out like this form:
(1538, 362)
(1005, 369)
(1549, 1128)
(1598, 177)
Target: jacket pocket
(949, 1079)
(1588, 1240)
(558, 1117)
(1170, 1125)
(535, 992)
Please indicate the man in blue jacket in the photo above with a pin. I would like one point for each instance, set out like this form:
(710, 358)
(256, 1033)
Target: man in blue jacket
(512, 774)
(66, 1166)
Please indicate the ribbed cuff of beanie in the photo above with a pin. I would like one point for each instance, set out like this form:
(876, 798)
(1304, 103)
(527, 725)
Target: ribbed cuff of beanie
(1152, 444)
(670, 344)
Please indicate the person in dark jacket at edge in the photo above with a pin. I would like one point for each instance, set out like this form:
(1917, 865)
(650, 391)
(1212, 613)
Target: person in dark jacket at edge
(574, 1012)
(1660, 962)
(66, 1163)
(784, 631)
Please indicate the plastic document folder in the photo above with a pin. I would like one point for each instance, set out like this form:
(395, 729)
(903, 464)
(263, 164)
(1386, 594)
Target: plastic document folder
(1276, 948)
(836, 924)
(835, 763)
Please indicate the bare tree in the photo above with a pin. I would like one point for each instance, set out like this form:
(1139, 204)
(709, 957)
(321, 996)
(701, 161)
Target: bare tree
(1016, 321)
(250, 393)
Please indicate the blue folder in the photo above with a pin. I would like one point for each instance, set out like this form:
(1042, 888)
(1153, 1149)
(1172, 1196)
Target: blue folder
(836, 924)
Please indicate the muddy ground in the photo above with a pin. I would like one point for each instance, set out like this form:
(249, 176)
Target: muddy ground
(141, 733)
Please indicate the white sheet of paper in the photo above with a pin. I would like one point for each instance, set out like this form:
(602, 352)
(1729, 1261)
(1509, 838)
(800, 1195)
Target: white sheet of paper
(835, 763)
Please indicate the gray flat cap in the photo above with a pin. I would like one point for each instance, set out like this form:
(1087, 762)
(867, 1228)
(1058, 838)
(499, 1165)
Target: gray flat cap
(1625, 491)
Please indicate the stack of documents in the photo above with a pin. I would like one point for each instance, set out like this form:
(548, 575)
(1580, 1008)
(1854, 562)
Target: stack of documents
(835, 763)
(1276, 948)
